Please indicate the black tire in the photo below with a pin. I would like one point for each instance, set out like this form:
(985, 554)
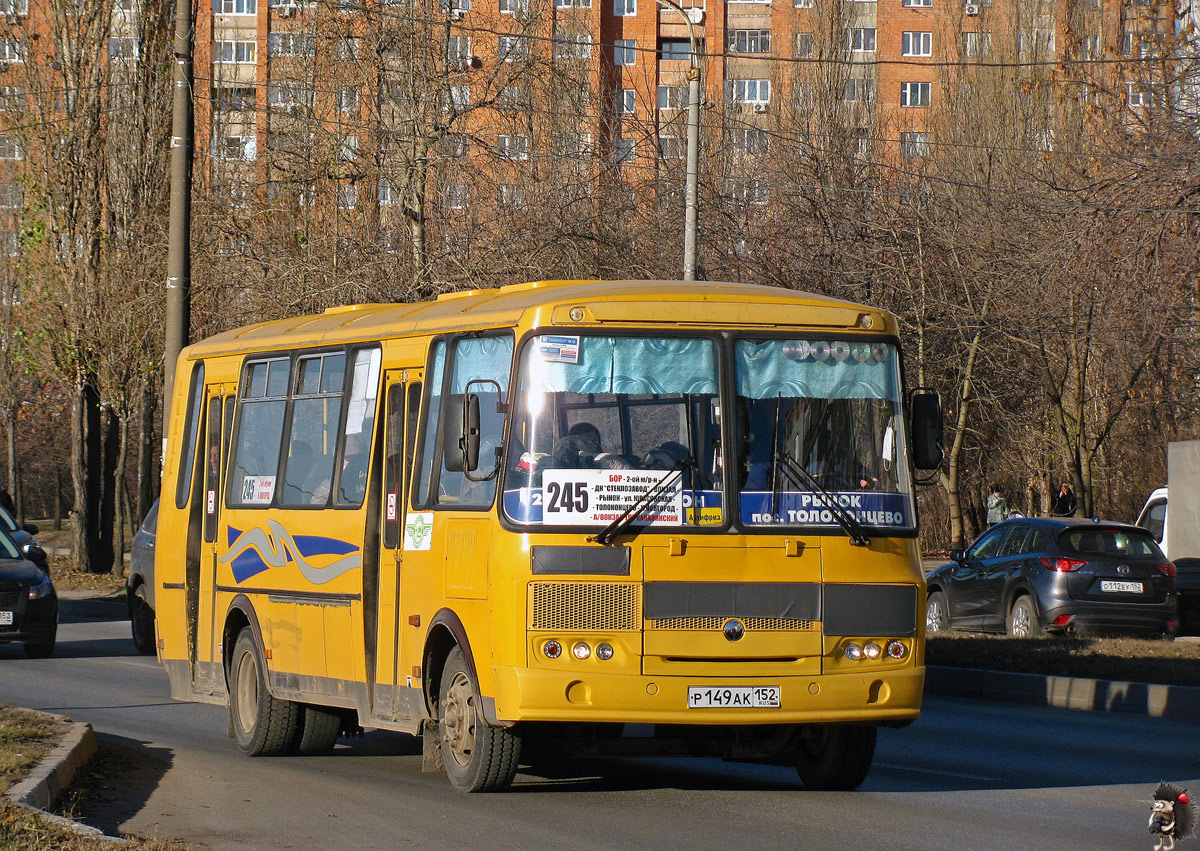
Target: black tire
(937, 616)
(141, 621)
(318, 731)
(478, 758)
(263, 725)
(1023, 619)
(41, 649)
(835, 757)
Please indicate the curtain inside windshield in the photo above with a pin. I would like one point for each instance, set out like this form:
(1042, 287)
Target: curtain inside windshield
(820, 416)
(602, 422)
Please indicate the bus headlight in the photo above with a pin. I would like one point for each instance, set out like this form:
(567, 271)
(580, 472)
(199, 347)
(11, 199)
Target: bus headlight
(896, 649)
(552, 649)
(872, 650)
(604, 652)
(581, 650)
(853, 652)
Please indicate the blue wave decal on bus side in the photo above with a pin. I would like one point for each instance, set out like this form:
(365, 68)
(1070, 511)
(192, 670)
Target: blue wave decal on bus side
(255, 550)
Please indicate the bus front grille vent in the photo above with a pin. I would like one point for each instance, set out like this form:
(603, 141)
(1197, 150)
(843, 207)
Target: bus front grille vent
(752, 624)
(585, 606)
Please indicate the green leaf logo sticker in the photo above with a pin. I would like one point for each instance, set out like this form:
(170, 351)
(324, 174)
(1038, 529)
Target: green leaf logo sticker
(418, 531)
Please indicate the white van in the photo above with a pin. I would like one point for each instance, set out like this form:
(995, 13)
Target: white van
(1154, 517)
(1178, 531)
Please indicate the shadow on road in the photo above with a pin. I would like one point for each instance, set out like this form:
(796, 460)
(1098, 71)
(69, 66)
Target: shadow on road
(117, 782)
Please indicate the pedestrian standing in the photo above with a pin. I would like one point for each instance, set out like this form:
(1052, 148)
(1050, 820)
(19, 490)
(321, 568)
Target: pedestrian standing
(1064, 503)
(997, 506)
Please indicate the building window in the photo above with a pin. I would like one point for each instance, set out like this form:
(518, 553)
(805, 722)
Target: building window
(10, 8)
(804, 44)
(861, 39)
(235, 52)
(572, 4)
(573, 146)
(671, 147)
(459, 98)
(512, 147)
(455, 146)
(11, 196)
(750, 41)
(857, 90)
(624, 151)
(914, 94)
(235, 7)
(749, 140)
(675, 48)
(921, 4)
(748, 91)
(746, 190)
(860, 141)
(234, 98)
(458, 52)
(977, 44)
(234, 147)
(914, 145)
(917, 44)
(625, 102)
(802, 96)
(289, 96)
(12, 98)
(457, 196)
(12, 50)
(573, 46)
(1092, 46)
(1137, 98)
(802, 4)
(672, 97)
(514, 7)
(624, 52)
(513, 97)
(291, 44)
(347, 100)
(124, 48)
(513, 48)
(347, 196)
(511, 196)
(385, 192)
(347, 149)
(455, 8)
(1035, 40)
(624, 8)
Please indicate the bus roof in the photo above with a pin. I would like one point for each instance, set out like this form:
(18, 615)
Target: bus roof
(699, 303)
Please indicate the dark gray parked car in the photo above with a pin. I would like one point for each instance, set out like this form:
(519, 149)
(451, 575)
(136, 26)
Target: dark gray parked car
(1027, 576)
(28, 602)
(139, 585)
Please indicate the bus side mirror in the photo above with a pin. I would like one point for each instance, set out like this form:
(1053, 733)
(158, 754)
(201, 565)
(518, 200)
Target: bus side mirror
(460, 433)
(926, 407)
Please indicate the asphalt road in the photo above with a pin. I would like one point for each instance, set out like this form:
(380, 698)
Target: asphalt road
(967, 775)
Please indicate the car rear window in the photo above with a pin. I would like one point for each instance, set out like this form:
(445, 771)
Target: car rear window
(1110, 542)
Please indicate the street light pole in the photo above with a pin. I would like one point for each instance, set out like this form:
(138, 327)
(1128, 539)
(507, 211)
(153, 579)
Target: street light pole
(690, 206)
(179, 261)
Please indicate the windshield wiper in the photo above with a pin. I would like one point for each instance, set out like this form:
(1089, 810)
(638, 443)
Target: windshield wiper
(858, 535)
(648, 498)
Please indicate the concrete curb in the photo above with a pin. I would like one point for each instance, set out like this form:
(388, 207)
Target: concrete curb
(1146, 699)
(54, 774)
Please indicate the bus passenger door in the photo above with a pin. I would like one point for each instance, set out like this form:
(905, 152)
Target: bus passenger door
(396, 698)
(208, 675)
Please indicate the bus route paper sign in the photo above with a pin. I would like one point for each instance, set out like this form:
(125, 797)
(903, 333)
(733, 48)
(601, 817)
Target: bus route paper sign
(591, 497)
(557, 348)
(257, 490)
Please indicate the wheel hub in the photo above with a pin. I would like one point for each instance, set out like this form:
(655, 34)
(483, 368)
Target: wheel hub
(458, 719)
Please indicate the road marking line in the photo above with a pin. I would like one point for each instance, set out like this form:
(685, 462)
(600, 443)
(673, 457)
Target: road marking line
(934, 771)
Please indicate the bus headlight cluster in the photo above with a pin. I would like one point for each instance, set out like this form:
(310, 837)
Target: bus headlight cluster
(872, 650)
(552, 649)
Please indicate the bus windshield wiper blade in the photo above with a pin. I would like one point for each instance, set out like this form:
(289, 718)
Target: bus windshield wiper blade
(796, 471)
(648, 498)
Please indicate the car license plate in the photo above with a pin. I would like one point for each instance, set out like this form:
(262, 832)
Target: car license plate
(6, 618)
(737, 697)
(1120, 587)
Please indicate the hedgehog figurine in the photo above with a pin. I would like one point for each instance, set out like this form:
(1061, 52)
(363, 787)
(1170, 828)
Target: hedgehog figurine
(1172, 816)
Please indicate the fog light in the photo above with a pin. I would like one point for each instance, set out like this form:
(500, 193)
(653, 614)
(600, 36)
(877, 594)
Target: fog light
(896, 649)
(581, 650)
(854, 652)
(552, 649)
(872, 650)
(604, 652)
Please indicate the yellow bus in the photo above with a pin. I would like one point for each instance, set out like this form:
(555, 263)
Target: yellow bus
(554, 518)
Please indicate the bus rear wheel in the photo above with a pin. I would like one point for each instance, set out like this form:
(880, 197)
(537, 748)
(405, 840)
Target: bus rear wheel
(318, 731)
(263, 725)
(478, 758)
(835, 757)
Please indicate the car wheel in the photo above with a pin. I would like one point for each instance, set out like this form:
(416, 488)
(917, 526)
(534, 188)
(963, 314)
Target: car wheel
(263, 725)
(478, 758)
(1023, 620)
(141, 621)
(41, 649)
(318, 731)
(834, 757)
(937, 618)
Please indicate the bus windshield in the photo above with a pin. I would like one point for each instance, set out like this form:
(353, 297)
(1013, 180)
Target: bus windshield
(819, 421)
(605, 425)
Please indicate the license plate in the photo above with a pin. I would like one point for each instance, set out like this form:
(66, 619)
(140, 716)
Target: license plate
(738, 697)
(6, 618)
(1120, 587)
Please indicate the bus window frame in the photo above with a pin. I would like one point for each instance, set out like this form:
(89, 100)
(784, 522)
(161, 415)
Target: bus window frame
(191, 437)
(423, 502)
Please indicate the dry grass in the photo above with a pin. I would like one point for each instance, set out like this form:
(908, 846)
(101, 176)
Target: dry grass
(25, 739)
(68, 578)
(1133, 659)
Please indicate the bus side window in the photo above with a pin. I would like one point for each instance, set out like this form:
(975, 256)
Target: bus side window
(263, 406)
(393, 467)
(187, 463)
(360, 427)
(212, 469)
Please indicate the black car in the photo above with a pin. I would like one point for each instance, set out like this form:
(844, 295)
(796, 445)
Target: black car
(1028, 576)
(28, 602)
(22, 536)
(139, 584)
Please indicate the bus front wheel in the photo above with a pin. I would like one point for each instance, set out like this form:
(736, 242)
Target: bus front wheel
(263, 725)
(835, 757)
(478, 758)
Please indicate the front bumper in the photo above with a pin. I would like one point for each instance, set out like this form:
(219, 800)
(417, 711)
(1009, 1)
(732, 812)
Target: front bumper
(34, 621)
(528, 694)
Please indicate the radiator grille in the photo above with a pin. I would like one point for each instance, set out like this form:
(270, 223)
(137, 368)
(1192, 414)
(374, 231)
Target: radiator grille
(752, 624)
(11, 599)
(585, 606)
